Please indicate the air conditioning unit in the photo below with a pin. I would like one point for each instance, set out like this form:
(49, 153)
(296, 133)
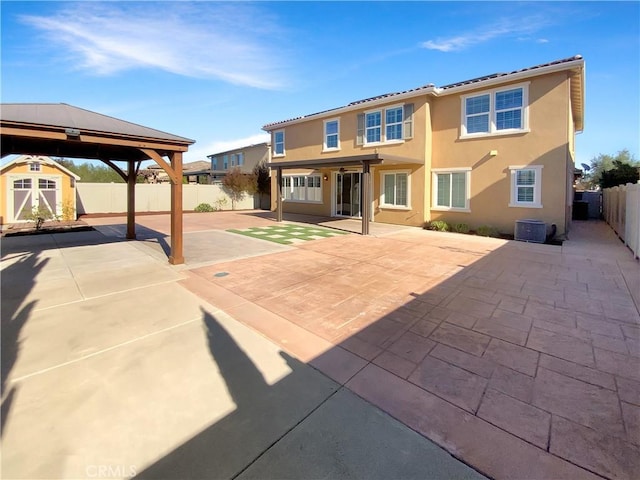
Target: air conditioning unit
(529, 230)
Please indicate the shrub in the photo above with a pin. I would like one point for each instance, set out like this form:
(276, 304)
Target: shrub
(68, 212)
(220, 203)
(487, 231)
(38, 215)
(204, 207)
(461, 228)
(439, 226)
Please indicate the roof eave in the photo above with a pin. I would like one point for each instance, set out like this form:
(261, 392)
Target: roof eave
(270, 127)
(512, 77)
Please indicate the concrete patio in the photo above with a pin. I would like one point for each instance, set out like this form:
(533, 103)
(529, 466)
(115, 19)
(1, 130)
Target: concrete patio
(519, 360)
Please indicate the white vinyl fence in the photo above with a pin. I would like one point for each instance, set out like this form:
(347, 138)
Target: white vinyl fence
(621, 210)
(112, 198)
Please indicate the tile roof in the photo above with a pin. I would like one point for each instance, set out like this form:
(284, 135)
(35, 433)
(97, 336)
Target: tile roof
(427, 87)
(496, 75)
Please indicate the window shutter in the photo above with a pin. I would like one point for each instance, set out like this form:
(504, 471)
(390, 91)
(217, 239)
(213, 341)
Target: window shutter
(408, 121)
(360, 136)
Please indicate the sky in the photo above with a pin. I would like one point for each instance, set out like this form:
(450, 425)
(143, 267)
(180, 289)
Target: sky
(216, 72)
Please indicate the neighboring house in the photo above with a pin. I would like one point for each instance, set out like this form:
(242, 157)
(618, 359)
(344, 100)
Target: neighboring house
(245, 158)
(487, 151)
(194, 172)
(32, 181)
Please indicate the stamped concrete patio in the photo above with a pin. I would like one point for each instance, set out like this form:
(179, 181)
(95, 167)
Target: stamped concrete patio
(521, 360)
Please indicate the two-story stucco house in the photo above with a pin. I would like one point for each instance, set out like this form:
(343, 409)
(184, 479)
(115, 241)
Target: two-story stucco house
(245, 158)
(487, 151)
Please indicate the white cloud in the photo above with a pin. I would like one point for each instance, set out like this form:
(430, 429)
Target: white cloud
(231, 42)
(200, 152)
(502, 28)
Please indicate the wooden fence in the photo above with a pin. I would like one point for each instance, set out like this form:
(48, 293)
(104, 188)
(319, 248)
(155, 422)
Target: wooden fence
(621, 210)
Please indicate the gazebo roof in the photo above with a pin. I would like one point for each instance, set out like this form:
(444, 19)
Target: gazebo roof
(68, 116)
(68, 131)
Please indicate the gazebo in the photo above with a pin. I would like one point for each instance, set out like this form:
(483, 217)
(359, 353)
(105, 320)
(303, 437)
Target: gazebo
(67, 131)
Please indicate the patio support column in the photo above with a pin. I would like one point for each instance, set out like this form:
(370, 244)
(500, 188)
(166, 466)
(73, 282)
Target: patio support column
(366, 196)
(131, 200)
(279, 195)
(176, 257)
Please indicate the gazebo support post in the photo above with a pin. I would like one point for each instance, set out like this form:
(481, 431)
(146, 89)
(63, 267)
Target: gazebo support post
(131, 201)
(176, 257)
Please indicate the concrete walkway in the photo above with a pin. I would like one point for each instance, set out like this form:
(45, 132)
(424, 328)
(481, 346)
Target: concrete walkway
(521, 360)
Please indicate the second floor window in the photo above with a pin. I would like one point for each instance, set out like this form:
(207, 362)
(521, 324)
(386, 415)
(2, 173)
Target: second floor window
(225, 162)
(498, 111)
(331, 135)
(214, 163)
(278, 143)
(392, 124)
(240, 158)
(373, 122)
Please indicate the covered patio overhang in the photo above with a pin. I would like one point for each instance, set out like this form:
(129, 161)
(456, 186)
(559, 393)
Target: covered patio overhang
(66, 131)
(364, 161)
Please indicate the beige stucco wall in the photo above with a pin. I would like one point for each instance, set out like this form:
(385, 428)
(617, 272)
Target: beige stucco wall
(304, 141)
(67, 189)
(437, 144)
(546, 144)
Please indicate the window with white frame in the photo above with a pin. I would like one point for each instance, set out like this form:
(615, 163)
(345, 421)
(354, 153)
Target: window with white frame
(526, 186)
(395, 190)
(22, 184)
(498, 111)
(393, 124)
(332, 135)
(225, 162)
(451, 189)
(302, 188)
(393, 121)
(34, 167)
(373, 129)
(45, 184)
(240, 157)
(214, 163)
(278, 143)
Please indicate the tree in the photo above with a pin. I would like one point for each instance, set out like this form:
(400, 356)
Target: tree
(604, 163)
(90, 173)
(237, 185)
(262, 180)
(620, 174)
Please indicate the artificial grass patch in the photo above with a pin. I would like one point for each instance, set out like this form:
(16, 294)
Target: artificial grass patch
(288, 234)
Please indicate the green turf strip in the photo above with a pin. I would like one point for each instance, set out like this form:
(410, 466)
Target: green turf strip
(288, 234)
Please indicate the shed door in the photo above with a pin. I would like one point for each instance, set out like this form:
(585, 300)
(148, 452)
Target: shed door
(29, 192)
(23, 201)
